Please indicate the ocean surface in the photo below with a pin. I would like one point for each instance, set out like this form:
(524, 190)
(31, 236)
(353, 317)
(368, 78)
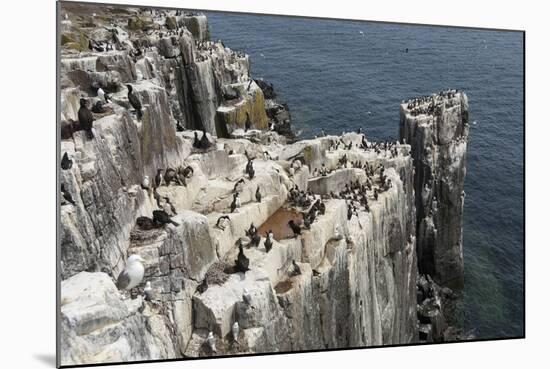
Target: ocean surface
(339, 75)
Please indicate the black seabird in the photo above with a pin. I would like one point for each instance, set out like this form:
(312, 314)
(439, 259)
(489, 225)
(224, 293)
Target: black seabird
(66, 195)
(134, 101)
(204, 143)
(179, 127)
(161, 217)
(295, 269)
(252, 230)
(85, 118)
(172, 207)
(235, 188)
(234, 203)
(268, 243)
(258, 195)
(196, 142)
(295, 228)
(255, 240)
(203, 286)
(145, 223)
(223, 217)
(66, 163)
(242, 262)
(169, 176)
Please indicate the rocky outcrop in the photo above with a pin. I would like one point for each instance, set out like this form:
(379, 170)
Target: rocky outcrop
(437, 127)
(358, 280)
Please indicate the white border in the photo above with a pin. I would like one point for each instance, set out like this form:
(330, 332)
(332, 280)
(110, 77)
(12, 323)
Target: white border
(28, 188)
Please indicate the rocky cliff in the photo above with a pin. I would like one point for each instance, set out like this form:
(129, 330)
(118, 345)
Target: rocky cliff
(437, 128)
(357, 284)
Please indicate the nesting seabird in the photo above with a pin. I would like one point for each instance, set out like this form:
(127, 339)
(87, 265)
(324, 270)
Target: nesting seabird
(295, 269)
(211, 340)
(258, 195)
(86, 118)
(162, 218)
(221, 222)
(145, 223)
(102, 95)
(268, 243)
(66, 195)
(134, 101)
(66, 162)
(196, 142)
(295, 228)
(236, 202)
(242, 262)
(132, 274)
(204, 142)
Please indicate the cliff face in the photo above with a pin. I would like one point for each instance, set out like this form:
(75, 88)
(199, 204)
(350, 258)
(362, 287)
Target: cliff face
(358, 278)
(437, 127)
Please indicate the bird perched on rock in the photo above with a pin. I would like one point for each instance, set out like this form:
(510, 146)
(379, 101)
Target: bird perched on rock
(169, 176)
(168, 207)
(145, 223)
(132, 274)
(236, 202)
(235, 331)
(268, 243)
(242, 262)
(238, 185)
(211, 340)
(103, 97)
(251, 230)
(196, 141)
(134, 101)
(203, 286)
(247, 298)
(250, 170)
(148, 291)
(295, 269)
(161, 217)
(66, 195)
(86, 118)
(66, 162)
(258, 195)
(158, 178)
(179, 126)
(295, 228)
(204, 143)
(98, 108)
(221, 222)
(255, 240)
(146, 183)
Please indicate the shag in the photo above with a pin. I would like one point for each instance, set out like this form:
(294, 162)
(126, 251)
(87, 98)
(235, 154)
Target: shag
(85, 118)
(66, 163)
(134, 101)
(295, 228)
(258, 195)
(162, 218)
(242, 262)
(204, 143)
(295, 269)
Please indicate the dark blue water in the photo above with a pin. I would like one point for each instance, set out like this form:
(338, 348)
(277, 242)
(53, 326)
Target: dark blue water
(337, 78)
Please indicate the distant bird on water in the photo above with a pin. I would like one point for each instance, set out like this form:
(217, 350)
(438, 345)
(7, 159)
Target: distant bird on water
(132, 274)
(86, 118)
(134, 101)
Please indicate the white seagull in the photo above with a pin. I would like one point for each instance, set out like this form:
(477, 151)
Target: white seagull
(132, 275)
